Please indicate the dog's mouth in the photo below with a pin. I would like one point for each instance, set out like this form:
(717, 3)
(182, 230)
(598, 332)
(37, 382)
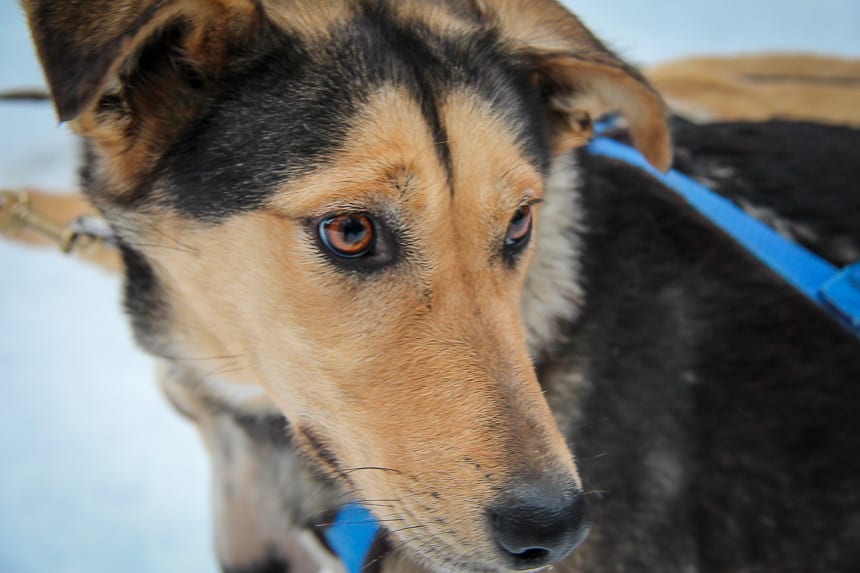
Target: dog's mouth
(507, 520)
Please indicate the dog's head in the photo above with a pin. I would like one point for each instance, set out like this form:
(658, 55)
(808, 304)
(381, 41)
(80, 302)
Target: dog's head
(343, 198)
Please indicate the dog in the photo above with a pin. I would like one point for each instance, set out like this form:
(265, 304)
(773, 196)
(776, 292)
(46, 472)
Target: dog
(762, 86)
(362, 233)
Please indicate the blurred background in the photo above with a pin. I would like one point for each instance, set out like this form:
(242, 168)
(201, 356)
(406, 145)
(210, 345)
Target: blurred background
(97, 473)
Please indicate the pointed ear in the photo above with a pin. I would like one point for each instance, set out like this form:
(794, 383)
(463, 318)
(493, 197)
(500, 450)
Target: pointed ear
(130, 75)
(580, 77)
(85, 45)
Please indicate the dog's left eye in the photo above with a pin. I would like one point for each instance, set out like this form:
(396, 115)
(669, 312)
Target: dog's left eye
(349, 236)
(355, 241)
(519, 228)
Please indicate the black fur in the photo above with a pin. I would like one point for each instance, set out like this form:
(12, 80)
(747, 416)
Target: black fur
(718, 425)
(277, 117)
(74, 69)
(719, 418)
(272, 430)
(802, 179)
(145, 302)
(290, 112)
(271, 565)
(721, 413)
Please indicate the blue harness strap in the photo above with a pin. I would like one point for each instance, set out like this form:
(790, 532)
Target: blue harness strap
(352, 535)
(836, 290)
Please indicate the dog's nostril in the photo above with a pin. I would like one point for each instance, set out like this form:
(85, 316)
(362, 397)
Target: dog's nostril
(540, 524)
(533, 554)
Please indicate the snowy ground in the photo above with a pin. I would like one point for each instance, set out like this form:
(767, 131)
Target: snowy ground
(97, 474)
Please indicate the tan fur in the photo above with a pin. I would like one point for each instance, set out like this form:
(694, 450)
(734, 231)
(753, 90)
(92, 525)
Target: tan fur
(313, 20)
(441, 380)
(545, 26)
(760, 87)
(570, 53)
(439, 17)
(608, 89)
(416, 387)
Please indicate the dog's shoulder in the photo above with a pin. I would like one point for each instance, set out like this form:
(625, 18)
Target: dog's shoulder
(798, 177)
(707, 376)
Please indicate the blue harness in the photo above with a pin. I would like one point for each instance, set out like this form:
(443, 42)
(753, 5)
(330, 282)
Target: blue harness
(352, 535)
(835, 290)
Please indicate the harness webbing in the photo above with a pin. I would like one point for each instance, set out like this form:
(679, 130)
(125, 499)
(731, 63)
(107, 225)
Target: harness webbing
(351, 536)
(836, 290)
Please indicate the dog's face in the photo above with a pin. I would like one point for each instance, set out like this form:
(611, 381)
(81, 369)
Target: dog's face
(343, 199)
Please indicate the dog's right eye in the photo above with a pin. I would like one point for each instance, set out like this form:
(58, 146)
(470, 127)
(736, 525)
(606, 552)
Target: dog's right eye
(349, 236)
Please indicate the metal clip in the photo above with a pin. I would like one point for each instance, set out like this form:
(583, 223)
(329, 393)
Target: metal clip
(17, 212)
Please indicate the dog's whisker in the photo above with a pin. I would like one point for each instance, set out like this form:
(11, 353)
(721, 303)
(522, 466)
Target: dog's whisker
(140, 245)
(391, 548)
(390, 503)
(419, 526)
(359, 522)
(137, 228)
(371, 503)
(377, 505)
(376, 559)
(322, 492)
(363, 468)
(400, 544)
(224, 370)
(354, 493)
(187, 248)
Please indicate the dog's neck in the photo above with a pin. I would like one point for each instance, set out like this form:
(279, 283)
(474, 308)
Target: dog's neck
(553, 295)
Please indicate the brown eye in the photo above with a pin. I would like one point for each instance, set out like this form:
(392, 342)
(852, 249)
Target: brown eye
(520, 227)
(349, 236)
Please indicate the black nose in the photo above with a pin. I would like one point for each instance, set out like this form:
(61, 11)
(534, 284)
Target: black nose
(539, 523)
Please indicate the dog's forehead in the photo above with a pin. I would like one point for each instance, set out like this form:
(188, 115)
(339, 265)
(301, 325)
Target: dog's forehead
(390, 158)
(292, 112)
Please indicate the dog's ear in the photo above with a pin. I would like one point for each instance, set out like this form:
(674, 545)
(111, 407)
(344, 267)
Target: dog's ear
(89, 47)
(130, 75)
(580, 78)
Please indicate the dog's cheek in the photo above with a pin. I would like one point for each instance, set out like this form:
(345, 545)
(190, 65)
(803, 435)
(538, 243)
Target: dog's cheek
(257, 288)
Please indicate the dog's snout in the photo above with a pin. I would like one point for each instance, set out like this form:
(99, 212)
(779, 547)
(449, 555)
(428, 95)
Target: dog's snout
(538, 524)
